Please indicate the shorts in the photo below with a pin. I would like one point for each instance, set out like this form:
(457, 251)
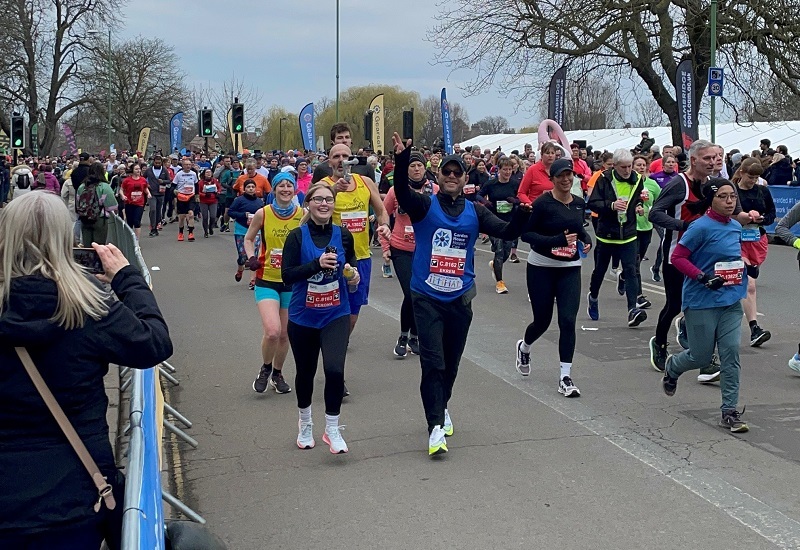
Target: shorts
(755, 252)
(183, 207)
(361, 296)
(271, 293)
(133, 215)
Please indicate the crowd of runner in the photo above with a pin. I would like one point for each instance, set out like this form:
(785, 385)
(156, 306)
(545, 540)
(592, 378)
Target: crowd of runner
(304, 225)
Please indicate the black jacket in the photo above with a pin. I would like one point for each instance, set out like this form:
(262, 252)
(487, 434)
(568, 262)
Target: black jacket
(44, 484)
(600, 201)
(155, 183)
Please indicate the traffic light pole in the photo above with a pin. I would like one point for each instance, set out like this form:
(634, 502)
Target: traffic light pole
(713, 64)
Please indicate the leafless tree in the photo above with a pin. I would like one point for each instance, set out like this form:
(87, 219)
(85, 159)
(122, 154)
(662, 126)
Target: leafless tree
(428, 121)
(492, 125)
(518, 44)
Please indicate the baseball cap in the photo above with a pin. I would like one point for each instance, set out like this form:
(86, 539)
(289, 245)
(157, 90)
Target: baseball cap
(84, 156)
(454, 158)
(560, 166)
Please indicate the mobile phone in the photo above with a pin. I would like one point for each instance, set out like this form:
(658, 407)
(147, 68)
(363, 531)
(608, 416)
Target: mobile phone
(327, 272)
(356, 161)
(408, 125)
(88, 259)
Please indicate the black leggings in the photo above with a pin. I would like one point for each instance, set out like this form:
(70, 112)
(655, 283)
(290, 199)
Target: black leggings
(644, 238)
(306, 344)
(561, 285)
(402, 267)
(673, 288)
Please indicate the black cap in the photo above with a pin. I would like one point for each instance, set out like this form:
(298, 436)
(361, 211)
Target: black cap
(84, 156)
(559, 166)
(454, 158)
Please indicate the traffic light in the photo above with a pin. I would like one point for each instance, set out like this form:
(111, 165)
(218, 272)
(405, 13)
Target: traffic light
(17, 132)
(237, 118)
(206, 122)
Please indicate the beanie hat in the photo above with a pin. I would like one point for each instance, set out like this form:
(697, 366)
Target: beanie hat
(713, 185)
(416, 156)
(283, 176)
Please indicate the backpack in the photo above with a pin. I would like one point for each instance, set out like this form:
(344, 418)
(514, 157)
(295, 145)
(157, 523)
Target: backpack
(23, 181)
(87, 205)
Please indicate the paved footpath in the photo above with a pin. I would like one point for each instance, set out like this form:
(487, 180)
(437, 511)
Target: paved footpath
(623, 467)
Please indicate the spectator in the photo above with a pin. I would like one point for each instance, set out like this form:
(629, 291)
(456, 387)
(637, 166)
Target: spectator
(644, 146)
(779, 171)
(764, 147)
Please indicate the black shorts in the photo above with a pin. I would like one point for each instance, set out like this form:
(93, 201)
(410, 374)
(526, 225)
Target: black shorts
(185, 207)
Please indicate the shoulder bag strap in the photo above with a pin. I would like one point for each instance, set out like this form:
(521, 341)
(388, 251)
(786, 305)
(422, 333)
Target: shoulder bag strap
(104, 489)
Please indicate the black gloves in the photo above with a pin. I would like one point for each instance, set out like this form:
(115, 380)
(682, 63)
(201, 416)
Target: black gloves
(752, 271)
(254, 264)
(712, 282)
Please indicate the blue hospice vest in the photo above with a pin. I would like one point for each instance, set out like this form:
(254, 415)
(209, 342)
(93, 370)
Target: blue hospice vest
(320, 299)
(443, 266)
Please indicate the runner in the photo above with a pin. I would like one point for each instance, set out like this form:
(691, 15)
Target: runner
(273, 223)
(537, 178)
(316, 257)
(446, 227)
(558, 240)
(210, 189)
(262, 184)
(499, 195)
(616, 198)
(400, 249)
(185, 183)
(644, 227)
(709, 256)
(157, 180)
(242, 211)
(227, 180)
(784, 231)
(755, 199)
(135, 191)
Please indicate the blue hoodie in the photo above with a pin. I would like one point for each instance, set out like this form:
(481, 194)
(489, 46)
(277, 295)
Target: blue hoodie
(241, 207)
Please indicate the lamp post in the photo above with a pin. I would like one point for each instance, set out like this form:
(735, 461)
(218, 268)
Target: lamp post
(337, 60)
(280, 134)
(108, 83)
(713, 64)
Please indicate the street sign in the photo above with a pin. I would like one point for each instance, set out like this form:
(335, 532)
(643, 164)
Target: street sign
(716, 80)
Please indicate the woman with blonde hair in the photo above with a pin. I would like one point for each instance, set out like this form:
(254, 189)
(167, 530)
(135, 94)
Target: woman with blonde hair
(72, 328)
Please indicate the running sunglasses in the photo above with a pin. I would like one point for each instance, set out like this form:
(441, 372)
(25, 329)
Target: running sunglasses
(448, 171)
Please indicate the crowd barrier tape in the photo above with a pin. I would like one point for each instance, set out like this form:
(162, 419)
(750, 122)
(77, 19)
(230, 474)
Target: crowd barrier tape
(784, 197)
(143, 518)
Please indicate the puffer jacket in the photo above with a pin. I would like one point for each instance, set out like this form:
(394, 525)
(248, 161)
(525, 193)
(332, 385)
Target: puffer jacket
(601, 200)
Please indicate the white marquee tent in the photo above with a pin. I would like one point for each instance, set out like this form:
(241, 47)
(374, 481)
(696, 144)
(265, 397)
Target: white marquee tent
(729, 135)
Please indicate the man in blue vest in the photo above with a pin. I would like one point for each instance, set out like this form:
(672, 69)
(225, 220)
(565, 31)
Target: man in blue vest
(446, 227)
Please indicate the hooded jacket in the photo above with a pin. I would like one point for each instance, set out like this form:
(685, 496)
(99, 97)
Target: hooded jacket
(44, 485)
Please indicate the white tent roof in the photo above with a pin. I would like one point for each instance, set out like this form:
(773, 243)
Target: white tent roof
(729, 135)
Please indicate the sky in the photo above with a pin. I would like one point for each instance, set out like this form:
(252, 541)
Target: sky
(287, 49)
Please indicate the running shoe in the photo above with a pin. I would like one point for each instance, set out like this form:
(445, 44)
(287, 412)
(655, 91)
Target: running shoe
(401, 349)
(251, 285)
(191, 236)
(500, 288)
(305, 437)
(794, 362)
(345, 392)
(205, 234)
(260, 384)
(636, 317)
(655, 275)
(594, 307)
(485, 239)
(238, 276)
(224, 228)
(567, 388)
(642, 302)
(523, 360)
(668, 383)
(620, 284)
(333, 437)
(437, 444)
(614, 271)
(278, 384)
(491, 266)
(180, 236)
(758, 336)
(732, 419)
(165, 221)
(153, 233)
(513, 259)
(711, 372)
(413, 345)
(387, 271)
(159, 227)
(210, 230)
(658, 355)
(680, 330)
(448, 424)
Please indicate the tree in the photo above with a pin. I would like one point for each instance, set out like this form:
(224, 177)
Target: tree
(219, 98)
(647, 114)
(428, 121)
(591, 104)
(277, 135)
(140, 95)
(528, 40)
(492, 125)
(46, 50)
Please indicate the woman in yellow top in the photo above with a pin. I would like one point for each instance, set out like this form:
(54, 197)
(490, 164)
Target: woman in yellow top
(273, 222)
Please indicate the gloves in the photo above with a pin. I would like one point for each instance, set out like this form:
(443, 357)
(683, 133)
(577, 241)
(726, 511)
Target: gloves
(512, 200)
(714, 282)
(752, 271)
(796, 244)
(254, 264)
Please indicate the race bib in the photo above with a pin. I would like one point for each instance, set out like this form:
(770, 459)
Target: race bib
(449, 253)
(750, 234)
(211, 188)
(276, 258)
(162, 188)
(504, 207)
(136, 195)
(408, 234)
(355, 222)
(322, 296)
(469, 189)
(564, 251)
(732, 272)
(250, 218)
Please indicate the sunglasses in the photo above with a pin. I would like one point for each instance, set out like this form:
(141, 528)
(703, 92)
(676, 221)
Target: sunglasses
(319, 200)
(447, 171)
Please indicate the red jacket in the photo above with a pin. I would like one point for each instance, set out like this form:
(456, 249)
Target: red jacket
(534, 183)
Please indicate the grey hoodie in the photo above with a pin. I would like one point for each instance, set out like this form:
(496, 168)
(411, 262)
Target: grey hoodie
(784, 227)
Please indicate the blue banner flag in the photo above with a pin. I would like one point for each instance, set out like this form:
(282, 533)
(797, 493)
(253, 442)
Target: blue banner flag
(447, 126)
(307, 129)
(175, 132)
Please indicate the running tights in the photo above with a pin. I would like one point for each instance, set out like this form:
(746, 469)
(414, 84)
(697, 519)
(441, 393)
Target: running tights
(402, 268)
(562, 286)
(673, 287)
(306, 344)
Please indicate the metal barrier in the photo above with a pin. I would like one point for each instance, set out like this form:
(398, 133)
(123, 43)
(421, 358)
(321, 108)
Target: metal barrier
(143, 518)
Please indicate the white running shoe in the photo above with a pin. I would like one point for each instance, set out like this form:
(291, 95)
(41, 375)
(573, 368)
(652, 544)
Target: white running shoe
(305, 437)
(437, 444)
(567, 388)
(448, 424)
(333, 437)
(523, 360)
(794, 362)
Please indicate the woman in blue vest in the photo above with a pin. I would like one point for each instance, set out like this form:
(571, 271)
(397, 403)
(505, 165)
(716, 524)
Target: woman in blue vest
(316, 257)
(446, 227)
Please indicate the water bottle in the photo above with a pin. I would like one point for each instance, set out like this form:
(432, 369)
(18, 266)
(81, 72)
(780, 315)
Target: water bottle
(623, 215)
(349, 274)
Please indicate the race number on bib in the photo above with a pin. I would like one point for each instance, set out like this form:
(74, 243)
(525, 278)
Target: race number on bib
(732, 272)
(162, 188)
(504, 207)
(321, 296)
(136, 195)
(250, 218)
(355, 222)
(449, 252)
(276, 258)
(750, 234)
(211, 188)
(469, 189)
(408, 234)
(564, 251)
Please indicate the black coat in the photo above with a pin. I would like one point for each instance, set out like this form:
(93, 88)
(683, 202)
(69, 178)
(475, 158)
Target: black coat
(44, 485)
